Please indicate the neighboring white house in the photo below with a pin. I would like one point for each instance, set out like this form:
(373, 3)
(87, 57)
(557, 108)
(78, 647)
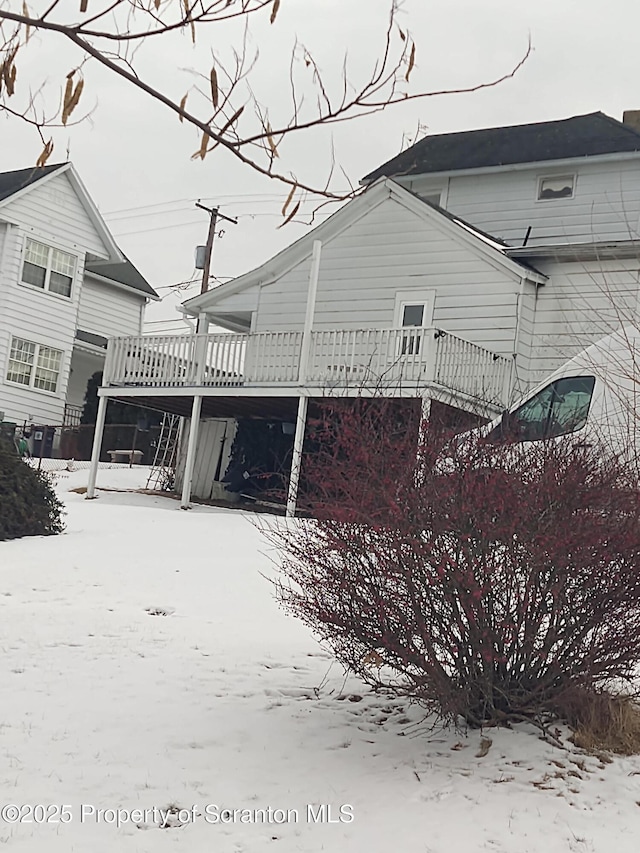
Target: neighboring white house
(472, 266)
(65, 288)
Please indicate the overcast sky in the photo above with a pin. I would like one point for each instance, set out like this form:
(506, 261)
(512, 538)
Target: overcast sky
(135, 158)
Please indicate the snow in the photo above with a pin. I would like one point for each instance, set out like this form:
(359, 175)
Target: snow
(146, 665)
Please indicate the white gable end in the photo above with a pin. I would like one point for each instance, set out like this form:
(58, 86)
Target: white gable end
(51, 210)
(391, 250)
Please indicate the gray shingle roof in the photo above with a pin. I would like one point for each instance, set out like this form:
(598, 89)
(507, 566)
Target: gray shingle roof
(122, 273)
(12, 182)
(580, 136)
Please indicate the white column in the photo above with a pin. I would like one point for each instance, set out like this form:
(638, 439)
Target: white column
(191, 452)
(296, 459)
(425, 414)
(311, 307)
(425, 411)
(97, 444)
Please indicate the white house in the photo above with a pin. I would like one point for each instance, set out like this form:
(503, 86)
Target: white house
(65, 288)
(472, 265)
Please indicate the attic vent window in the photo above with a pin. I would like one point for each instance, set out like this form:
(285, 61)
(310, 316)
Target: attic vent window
(48, 268)
(552, 188)
(433, 197)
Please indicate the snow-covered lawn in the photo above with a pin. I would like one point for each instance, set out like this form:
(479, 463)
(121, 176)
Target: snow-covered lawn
(146, 666)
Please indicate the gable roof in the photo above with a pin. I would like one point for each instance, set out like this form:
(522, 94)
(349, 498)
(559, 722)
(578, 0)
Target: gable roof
(122, 273)
(20, 182)
(580, 136)
(118, 269)
(346, 216)
(13, 182)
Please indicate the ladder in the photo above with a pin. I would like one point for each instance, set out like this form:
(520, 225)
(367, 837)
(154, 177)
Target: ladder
(162, 474)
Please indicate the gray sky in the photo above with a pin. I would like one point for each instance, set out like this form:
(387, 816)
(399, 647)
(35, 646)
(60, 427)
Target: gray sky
(134, 157)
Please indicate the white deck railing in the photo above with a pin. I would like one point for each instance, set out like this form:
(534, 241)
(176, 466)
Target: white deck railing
(367, 358)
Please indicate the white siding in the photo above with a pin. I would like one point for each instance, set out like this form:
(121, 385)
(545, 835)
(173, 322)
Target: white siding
(53, 212)
(605, 206)
(393, 249)
(108, 311)
(238, 303)
(4, 229)
(25, 405)
(33, 315)
(581, 303)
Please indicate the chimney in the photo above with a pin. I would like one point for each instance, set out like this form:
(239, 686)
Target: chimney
(632, 118)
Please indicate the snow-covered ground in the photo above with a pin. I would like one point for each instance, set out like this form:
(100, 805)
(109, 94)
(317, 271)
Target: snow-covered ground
(146, 667)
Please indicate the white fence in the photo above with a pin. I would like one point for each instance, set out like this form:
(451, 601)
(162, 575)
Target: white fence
(366, 358)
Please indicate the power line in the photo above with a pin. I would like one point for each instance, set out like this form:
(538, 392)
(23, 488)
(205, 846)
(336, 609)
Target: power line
(274, 196)
(276, 200)
(185, 224)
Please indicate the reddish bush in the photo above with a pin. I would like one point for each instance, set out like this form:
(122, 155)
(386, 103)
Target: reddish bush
(483, 581)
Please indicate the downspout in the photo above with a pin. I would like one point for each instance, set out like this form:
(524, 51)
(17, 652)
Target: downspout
(516, 343)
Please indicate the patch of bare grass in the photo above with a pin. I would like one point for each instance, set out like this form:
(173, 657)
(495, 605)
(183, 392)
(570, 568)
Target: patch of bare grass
(602, 722)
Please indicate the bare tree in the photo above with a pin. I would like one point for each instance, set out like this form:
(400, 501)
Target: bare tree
(222, 104)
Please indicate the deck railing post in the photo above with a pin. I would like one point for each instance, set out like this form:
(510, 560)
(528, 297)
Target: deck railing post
(431, 355)
(507, 382)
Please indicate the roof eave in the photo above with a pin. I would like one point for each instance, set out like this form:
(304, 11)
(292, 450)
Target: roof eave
(579, 251)
(302, 248)
(121, 285)
(509, 167)
(114, 253)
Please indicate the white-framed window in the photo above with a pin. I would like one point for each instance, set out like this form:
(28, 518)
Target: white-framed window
(555, 187)
(48, 268)
(34, 365)
(413, 312)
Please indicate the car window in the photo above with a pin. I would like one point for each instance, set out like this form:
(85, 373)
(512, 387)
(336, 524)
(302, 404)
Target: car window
(560, 408)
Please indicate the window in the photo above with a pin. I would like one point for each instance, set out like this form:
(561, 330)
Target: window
(48, 268)
(559, 409)
(551, 188)
(34, 365)
(433, 197)
(413, 312)
(412, 316)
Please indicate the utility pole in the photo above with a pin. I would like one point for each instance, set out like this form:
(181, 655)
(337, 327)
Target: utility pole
(214, 216)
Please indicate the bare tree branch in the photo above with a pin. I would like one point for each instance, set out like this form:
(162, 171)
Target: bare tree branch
(227, 112)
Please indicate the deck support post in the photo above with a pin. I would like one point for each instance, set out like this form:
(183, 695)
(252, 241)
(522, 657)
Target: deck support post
(95, 450)
(425, 414)
(296, 458)
(305, 347)
(191, 452)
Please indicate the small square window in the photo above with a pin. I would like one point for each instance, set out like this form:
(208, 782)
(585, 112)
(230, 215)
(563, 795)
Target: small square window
(552, 188)
(412, 315)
